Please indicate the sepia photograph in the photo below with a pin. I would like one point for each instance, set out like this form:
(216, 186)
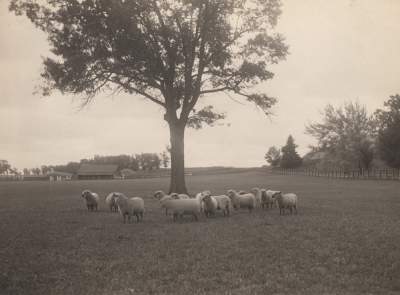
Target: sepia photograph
(205, 147)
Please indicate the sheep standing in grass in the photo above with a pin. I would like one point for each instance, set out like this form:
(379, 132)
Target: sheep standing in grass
(92, 200)
(162, 197)
(268, 198)
(210, 205)
(286, 201)
(246, 201)
(257, 195)
(181, 207)
(130, 207)
(221, 202)
(110, 201)
(200, 197)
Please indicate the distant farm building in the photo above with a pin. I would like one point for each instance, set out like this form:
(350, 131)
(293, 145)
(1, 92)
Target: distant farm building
(59, 176)
(95, 171)
(127, 173)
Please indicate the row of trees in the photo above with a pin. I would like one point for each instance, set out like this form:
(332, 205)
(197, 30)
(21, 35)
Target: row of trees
(6, 168)
(348, 138)
(143, 161)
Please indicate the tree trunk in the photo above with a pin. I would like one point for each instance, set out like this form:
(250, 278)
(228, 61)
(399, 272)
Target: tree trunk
(177, 137)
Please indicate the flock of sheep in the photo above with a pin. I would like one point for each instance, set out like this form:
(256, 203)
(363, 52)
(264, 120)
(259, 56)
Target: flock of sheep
(203, 203)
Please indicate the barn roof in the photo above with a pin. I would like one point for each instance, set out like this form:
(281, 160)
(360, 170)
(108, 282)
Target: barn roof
(97, 169)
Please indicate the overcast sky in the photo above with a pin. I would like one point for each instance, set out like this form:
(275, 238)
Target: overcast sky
(339, 51)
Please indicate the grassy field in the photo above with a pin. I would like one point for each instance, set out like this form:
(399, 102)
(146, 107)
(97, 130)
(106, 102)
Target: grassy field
(345, 240)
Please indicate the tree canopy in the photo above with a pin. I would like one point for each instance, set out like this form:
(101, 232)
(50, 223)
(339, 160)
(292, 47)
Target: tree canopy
(388, 120)
(345, 135)
(273, 156)
(171, 51)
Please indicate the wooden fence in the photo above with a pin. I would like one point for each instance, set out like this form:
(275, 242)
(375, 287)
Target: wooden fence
(384, 174)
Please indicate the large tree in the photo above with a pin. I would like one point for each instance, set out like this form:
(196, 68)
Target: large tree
(171, 52)
(388, 120)
(346, 135)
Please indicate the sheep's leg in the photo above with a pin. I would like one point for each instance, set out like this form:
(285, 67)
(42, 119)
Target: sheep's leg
(195, 216)
(166, 212)
(137, 217)
(295, 209)
(124, 216)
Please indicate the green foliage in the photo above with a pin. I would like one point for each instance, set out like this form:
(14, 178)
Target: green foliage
(389, 131)
(290, 158)
(273, 156)
(346, 135)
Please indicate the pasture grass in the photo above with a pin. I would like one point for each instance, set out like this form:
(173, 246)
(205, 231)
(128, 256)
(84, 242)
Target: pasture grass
(345, 240)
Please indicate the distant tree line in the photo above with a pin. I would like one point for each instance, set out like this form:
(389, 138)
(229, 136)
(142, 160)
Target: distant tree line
(137, 162)
(348, 138)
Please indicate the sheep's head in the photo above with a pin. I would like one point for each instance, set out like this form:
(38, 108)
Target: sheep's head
(263, 195)
(206, 193)
(174, 196)
(207, 198)
(158, 195)
(231, 193)
(277, 195)
(255, 190)
(85, 194)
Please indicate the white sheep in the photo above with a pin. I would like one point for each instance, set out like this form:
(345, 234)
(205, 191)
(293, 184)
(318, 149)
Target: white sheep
(210, 205)
(268, 198)
(130, 207)
(242, 201)
(161, 196)
(110, 201)
(92, 200)
(286, 201)
(200, 197)
(221, 202)
(180, 207)
(177, 196)
(257, 195)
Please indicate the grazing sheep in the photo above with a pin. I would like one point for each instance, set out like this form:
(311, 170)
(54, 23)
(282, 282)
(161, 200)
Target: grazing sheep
(110, 201)
(268, 198)
(130, 207)
(242, 201)
(92, 200)
(257, 194)
(286, 201)
(180, 207)
(223, 203)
